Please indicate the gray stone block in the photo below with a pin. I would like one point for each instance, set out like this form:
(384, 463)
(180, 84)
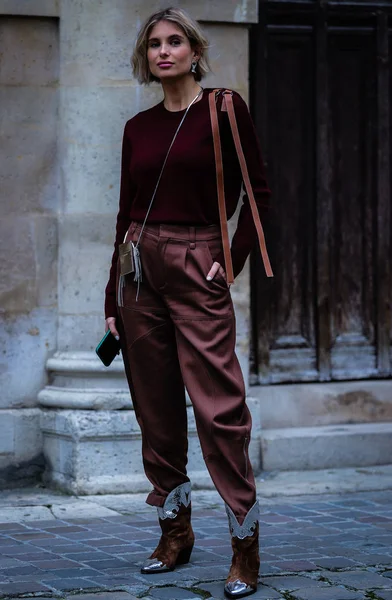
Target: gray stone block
(332, 593)
(235, 11)
(34, 38)
(320, 404)
(23, 588)
(103, 596)
(31, 8)
(338, 562)
(70, 584)
(290, 583)
(93, 155)
(344, 446)
(361, 580)
(21, 457)
(173, 593)
(384, 595)
(28, 340)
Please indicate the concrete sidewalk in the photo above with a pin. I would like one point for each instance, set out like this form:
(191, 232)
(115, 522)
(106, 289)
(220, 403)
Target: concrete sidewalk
(334, 543)
(32, 504)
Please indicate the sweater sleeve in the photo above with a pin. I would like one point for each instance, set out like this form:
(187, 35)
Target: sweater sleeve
(245, 236)
(122, 225)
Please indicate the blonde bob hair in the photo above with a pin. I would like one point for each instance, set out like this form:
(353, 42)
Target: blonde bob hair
(192, 31)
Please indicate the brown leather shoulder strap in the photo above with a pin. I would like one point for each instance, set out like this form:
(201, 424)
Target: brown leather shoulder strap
(228, 105)
(220, 187)
(228, 97)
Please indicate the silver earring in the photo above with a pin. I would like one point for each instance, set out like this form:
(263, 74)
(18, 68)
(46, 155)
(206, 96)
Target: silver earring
(194, 65)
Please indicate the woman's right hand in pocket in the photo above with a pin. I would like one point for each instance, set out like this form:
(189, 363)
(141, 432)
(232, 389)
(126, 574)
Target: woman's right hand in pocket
(110, 323)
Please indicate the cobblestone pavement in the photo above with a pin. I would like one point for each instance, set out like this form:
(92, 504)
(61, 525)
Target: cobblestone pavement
(318, 548)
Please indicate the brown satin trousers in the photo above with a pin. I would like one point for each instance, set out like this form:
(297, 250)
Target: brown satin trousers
(181, 332)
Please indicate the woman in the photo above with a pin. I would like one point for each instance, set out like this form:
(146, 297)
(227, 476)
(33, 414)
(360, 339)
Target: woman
(176, 323)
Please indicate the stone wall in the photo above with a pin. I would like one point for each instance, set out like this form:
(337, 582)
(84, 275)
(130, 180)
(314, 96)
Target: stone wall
(30, 201)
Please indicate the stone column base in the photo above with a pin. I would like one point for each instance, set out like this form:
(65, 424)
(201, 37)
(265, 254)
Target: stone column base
(99, 452)
(91, 438)
(78, 380)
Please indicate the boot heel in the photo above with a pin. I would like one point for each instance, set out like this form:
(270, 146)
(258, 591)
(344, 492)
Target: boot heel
(184, 556)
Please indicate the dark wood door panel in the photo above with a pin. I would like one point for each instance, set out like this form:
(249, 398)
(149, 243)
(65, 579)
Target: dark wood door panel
(352, 106)
(321, 100)
(290, 319)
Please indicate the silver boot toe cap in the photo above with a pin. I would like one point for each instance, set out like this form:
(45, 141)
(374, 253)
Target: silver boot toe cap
(238, 589)
(154, 565)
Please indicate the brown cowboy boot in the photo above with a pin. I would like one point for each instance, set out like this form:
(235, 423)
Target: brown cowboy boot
(244, 570)
(177, 539)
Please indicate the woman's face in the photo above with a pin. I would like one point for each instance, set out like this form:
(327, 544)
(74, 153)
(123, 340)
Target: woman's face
(169, 51)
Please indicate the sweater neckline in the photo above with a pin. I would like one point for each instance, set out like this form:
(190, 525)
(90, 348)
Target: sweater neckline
(181, 112)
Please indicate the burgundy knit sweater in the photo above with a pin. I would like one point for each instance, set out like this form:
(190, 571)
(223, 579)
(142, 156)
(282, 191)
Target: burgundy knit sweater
(187, 193)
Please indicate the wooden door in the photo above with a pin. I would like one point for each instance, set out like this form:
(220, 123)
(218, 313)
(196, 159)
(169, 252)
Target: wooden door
(321, 89)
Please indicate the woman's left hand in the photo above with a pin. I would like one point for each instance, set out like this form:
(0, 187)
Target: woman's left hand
(213, 271)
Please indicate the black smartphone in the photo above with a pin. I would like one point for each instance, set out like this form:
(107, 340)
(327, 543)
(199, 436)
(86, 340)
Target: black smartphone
(108, 348)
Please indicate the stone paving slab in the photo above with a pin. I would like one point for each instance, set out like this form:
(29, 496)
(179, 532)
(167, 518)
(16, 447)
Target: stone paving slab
(320, 548)
(32, 496)
(333, 481)
(103, 596)
(362, 580)
(173, 593)
(327, 594)
(24, 514)
(81, 509)
(290, 583)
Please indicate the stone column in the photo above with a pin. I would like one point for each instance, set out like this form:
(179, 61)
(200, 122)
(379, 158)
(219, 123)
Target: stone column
(91, 438)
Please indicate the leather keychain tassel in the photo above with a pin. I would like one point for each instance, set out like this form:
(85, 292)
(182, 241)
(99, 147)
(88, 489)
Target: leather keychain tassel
(138, 268)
